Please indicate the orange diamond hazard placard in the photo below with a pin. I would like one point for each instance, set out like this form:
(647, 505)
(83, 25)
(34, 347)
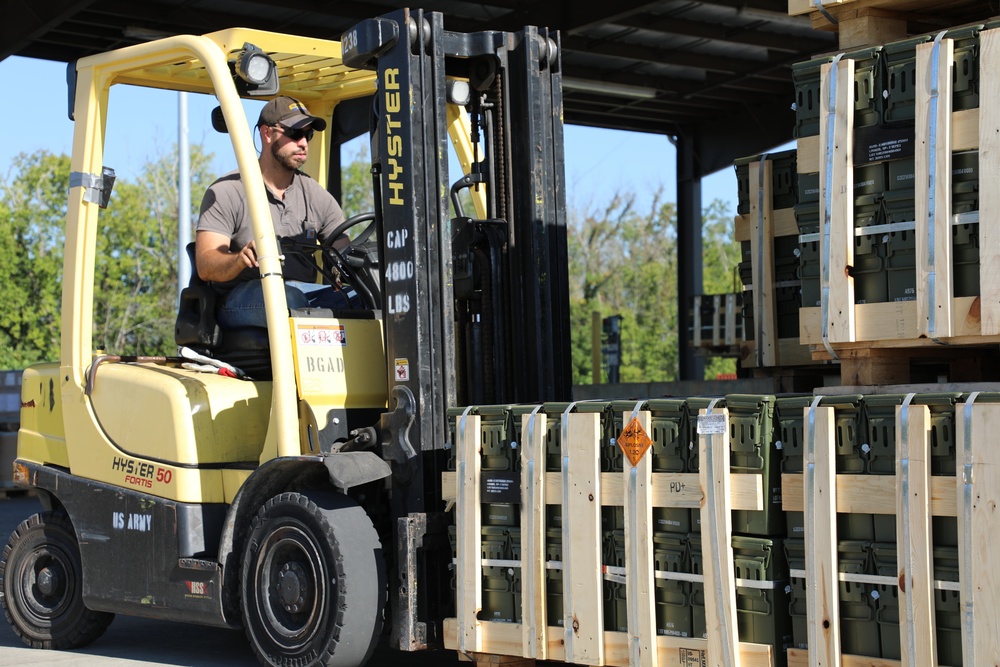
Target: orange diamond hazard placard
(634, 441)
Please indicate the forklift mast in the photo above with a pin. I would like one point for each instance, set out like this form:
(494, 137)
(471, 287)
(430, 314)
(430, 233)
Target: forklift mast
(476, 309)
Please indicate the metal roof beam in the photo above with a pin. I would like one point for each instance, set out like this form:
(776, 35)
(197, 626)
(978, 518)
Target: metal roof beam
(26, 21)
(747, 36)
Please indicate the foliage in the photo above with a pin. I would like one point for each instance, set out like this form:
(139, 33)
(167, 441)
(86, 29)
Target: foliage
(356, 186)
(32, 214)
(135, 281)
(135, 276)
(623, 262)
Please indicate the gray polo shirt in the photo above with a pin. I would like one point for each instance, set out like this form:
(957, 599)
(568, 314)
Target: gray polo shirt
(308, 212)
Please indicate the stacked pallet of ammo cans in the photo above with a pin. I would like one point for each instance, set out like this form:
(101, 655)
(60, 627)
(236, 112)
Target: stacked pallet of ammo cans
(892, 499)
(889, 492)
(610, 563)
(905, 267)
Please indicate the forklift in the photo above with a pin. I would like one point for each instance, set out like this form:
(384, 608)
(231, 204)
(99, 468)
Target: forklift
(302, 502)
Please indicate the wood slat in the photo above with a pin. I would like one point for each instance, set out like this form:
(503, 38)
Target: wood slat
(534, 601)
(822, 586)
(884, 323)
(504, 638)
(468, 533)
(989, 170)
(782, 222)
(668, 489)
(834, 260)
(717, 544)
(913, 527)
(762, 263)
(979, 531)
(869, 494)
(583, 599)
(639, 565)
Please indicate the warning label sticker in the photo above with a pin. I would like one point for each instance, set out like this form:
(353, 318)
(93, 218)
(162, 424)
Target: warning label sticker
(634, 441)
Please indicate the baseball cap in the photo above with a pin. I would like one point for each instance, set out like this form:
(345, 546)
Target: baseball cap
(289, 112)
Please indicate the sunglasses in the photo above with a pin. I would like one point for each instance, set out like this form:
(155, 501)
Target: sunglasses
(296, 135)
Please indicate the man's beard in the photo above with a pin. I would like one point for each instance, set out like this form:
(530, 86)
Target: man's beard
(291, 161)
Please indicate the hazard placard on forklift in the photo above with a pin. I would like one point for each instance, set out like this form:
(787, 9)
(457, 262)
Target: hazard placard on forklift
(634, 441)
(402, 370)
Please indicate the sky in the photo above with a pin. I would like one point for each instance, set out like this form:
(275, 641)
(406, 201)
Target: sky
(599, 162)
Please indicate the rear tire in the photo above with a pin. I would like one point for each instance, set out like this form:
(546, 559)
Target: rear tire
(41, 586)
(313, 585)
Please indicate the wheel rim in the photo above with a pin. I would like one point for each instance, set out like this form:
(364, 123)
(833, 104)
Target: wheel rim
(292, 586)
(47, 583)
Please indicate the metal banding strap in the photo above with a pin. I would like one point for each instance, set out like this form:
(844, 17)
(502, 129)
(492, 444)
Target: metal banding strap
(716, 564)
(812, 635)
(906, 555)
(822, 10)
(528, 564)
(968, 593)
(463, 614)
(876, 579)
(758, 298)
(831, 123)
(932, 185)
(970, 218)
(92, 184)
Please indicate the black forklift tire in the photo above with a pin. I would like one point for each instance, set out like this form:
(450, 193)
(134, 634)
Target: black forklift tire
(313, 585)
(41, 586)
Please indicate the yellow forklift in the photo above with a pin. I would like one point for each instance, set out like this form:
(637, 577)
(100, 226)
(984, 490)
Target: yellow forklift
(302, 503)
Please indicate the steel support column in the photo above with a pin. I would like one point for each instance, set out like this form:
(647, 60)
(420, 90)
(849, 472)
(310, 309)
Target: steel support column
(689, 253)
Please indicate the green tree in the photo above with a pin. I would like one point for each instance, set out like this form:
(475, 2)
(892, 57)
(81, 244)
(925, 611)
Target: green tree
(623, 262)
(135, 276)
(135, 281)
(32, 215)
(356, 186)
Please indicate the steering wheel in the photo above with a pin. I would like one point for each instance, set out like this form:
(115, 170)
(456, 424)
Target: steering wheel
(355, 261)
(353, 221)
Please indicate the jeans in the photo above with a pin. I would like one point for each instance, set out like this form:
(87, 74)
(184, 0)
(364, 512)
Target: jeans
(244, 305)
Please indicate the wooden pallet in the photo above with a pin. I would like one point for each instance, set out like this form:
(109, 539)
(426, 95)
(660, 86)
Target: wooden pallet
(861, 23)
(581, 489)
(913, 495)
(725, 333)
(863, 365)
(935, 318)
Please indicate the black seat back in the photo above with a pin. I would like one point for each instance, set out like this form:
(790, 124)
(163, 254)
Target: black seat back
(196, 326)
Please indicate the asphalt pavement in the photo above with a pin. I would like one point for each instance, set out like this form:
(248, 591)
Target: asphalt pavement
(134, 642)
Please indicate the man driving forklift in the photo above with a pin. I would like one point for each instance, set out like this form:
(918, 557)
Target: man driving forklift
(301, 210)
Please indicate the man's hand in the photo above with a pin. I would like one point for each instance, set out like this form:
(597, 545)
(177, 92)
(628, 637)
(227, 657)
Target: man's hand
(214, 260)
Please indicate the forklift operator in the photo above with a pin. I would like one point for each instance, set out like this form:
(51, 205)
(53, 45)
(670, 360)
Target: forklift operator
(225, 255)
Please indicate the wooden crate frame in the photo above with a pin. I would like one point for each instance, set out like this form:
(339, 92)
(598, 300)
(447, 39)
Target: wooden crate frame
(935, 317)
(913, 495)
(583, 489)
(724, 331)
(760, 227)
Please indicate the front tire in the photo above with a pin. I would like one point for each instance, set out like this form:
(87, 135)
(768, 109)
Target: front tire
(41, 586)
(313, 582)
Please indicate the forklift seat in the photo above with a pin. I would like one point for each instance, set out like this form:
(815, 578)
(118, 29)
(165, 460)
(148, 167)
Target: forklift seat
(196, 327)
